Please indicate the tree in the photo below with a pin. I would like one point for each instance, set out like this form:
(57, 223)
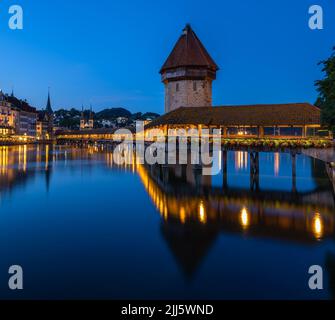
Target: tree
(326, 89)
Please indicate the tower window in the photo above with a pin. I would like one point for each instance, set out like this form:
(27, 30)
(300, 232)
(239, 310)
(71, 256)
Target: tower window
(177, 87)
(194, 86)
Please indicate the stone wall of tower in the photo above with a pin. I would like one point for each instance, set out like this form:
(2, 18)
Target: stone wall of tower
(188, 93)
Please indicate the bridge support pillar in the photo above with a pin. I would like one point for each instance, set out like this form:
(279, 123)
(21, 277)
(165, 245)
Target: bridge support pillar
(254, 171)
(165, 173)
(225, 131)
(184, 172)
(197, 172)
(260, 132)
(224, 166)
(294, 171)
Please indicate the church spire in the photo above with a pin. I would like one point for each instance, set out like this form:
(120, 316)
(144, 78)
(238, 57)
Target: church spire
(48, 107)
(2, 96)
(91, 112)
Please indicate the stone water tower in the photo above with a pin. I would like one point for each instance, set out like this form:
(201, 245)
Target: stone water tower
(188, 73)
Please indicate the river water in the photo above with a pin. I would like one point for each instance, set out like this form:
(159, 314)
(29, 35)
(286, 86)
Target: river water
(82, 227)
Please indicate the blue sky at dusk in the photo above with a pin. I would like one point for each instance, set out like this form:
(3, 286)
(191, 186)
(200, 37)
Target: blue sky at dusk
(109, 53)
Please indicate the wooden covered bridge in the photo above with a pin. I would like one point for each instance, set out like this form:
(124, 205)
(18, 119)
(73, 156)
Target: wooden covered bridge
(281, 120)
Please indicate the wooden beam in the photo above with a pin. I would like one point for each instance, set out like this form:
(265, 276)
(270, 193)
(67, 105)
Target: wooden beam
(225, 131)
(260, 131)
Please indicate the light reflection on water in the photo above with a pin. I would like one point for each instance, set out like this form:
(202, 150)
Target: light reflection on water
(198, 215)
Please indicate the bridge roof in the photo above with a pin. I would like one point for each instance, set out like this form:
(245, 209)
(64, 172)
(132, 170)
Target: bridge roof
(291, 114)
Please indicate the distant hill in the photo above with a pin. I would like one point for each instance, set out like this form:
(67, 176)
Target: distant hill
(71, 118)
(67, 118)
(150, 115)
(144, 116)
(112, 114)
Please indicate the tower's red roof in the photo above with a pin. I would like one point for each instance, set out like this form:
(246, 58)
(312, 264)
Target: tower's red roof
(189, 52)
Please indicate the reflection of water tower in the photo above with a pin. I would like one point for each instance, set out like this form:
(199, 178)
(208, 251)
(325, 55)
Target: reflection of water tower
(86, 122)
(189, 243)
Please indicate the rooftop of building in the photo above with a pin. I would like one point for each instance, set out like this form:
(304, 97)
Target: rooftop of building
(189, 52)
(290, 114)
(17, 103)
(43, 115)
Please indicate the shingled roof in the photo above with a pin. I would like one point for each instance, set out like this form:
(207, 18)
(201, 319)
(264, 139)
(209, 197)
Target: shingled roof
(247, 115)
(189, 52)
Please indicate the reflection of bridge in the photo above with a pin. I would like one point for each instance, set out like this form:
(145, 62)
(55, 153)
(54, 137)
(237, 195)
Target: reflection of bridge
(108, 137)
(186, 186)
(243, 160)
(194, 213)
(183, 194)
(325, 155)
(177, 198)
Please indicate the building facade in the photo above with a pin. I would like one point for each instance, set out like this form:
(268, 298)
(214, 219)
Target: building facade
(27, 117)
(8, 116)
(17, 116)
(86, 123)
(27, 123)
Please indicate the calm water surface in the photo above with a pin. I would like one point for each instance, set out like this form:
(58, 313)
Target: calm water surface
(82, 227)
